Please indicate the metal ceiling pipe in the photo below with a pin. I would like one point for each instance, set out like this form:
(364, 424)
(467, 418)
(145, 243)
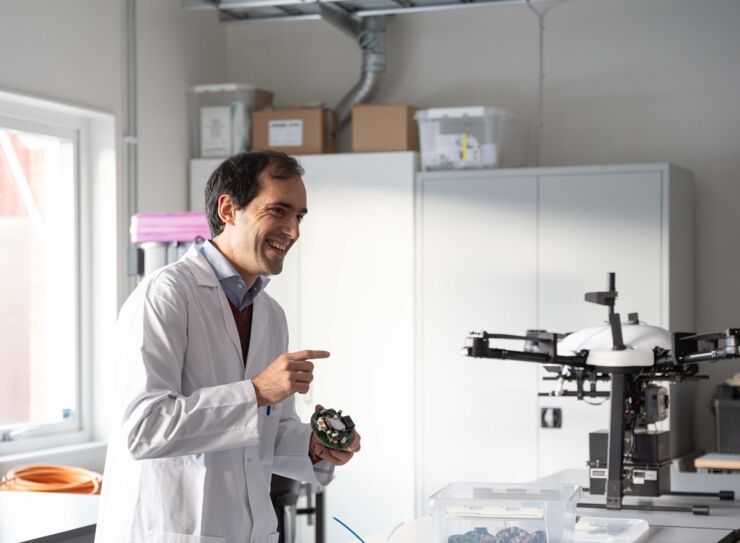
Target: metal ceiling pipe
(340, 19)
(370, 36)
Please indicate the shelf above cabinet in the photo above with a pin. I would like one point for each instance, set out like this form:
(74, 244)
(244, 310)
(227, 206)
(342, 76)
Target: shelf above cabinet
(232, 11)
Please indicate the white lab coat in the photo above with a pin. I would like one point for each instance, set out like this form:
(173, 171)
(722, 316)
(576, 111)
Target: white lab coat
(191, 455)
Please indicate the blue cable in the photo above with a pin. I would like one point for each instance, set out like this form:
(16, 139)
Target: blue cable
(349, 529)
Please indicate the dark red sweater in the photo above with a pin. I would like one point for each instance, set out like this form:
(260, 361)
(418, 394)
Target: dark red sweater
(243, 320)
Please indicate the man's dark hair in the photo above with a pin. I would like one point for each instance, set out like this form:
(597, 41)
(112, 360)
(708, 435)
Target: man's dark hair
(239, 177)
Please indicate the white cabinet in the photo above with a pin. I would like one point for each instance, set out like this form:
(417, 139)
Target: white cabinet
(347, 287)
(636, 221)
(476, 267)
(509, 250)
(349, 290)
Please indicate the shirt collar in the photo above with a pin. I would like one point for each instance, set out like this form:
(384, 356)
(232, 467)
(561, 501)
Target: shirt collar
(231, 282)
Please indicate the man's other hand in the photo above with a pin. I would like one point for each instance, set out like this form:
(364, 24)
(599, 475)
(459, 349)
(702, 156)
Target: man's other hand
(334, 456)
(287, 374)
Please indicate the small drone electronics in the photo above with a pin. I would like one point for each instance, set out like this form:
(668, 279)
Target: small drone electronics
(333, 429)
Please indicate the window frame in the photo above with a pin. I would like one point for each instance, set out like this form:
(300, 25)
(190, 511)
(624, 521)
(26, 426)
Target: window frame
(43, 118)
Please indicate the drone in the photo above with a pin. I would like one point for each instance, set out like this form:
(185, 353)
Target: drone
(629, 459)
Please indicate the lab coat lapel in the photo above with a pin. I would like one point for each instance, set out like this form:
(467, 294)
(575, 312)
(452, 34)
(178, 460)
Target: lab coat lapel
(206, 278)
(260, 323)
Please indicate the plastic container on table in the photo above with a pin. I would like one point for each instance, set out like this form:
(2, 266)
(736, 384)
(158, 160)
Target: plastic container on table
(473, 512)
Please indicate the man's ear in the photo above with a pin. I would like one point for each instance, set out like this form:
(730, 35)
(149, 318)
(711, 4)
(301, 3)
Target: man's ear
(226, 209)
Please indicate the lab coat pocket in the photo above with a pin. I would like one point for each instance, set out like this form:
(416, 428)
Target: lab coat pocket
(171, 495)
(273, 537)
(171, 537)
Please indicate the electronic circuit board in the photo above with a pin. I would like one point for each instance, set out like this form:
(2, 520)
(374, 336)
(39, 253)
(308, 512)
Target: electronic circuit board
(333, 429)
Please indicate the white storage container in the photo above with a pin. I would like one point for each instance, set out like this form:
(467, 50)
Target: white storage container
(609, 530)
(471, 137)
(220, 118)
(472, 512)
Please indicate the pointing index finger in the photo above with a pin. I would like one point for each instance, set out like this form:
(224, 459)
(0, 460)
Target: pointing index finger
(307, 355)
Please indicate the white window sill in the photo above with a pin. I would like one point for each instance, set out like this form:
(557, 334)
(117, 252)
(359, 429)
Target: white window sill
(89, 455)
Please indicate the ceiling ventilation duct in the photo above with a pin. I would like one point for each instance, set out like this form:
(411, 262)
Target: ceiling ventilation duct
(370, 36)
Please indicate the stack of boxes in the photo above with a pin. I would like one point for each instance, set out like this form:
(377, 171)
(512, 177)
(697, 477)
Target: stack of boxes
(233, 118)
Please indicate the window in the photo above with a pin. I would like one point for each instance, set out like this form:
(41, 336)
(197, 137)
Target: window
(42, 383)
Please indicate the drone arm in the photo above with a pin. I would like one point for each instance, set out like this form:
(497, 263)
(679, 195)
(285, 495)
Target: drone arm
(707, 356)
(478, 351)
(478, 347)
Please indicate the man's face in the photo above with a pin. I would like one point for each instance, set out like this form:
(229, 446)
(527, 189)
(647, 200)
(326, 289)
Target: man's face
(264, 230)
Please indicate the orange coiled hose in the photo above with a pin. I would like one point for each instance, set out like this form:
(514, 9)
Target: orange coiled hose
(42, 478)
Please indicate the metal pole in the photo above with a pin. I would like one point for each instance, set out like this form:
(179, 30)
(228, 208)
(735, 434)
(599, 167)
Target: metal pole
(130, 141)
(614, 459)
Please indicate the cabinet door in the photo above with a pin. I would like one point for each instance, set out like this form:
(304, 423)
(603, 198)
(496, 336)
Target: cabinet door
(476, 269)
(356, 301)
(592, 224)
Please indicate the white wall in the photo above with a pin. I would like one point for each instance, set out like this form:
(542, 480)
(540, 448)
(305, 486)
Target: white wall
(65, 51)
(626, 81)
(177, 49)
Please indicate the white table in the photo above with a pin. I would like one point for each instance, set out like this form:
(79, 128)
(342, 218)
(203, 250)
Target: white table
(665, 527)
(420, 531)
(43, 517)
(724, 515)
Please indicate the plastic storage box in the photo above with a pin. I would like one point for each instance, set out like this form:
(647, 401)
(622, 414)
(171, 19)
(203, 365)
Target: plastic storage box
(473, 512)
(179, 226)
(220, 117)
(471, 137)
(609, 530)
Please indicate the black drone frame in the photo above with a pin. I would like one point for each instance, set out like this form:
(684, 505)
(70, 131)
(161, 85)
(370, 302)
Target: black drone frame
(674, 365)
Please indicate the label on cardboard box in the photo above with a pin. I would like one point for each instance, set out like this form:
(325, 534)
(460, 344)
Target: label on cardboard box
(285, 133)
(215, 131)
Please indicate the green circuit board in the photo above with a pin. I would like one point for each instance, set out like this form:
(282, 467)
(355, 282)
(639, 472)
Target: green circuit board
(333, 429)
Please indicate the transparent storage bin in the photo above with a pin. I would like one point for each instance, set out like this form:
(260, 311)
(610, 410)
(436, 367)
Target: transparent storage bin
(220, 118)
(487, 512)
(609, 530)
(471, 138)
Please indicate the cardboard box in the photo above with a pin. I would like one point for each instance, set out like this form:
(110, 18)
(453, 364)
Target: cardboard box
(299, 131)
(384, 127)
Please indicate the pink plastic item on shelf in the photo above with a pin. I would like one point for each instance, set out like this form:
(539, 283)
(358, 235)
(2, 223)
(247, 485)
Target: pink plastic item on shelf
(180, 226)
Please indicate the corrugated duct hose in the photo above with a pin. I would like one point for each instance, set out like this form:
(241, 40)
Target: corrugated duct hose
(41, 478)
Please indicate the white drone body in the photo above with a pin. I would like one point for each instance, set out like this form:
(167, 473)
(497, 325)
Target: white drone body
(639, 341)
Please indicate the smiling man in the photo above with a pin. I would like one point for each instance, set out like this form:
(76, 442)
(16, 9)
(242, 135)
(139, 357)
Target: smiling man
(207, 410)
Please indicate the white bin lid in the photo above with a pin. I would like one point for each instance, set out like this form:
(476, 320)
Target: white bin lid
(459, 112)
(223, 87)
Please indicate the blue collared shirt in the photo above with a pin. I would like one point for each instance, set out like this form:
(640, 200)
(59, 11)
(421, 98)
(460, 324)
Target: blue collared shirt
(234, 287)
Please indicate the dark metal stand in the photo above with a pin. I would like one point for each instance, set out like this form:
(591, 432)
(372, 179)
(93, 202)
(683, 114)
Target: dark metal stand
(695, 509)
(284, 494)
(615, 458)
